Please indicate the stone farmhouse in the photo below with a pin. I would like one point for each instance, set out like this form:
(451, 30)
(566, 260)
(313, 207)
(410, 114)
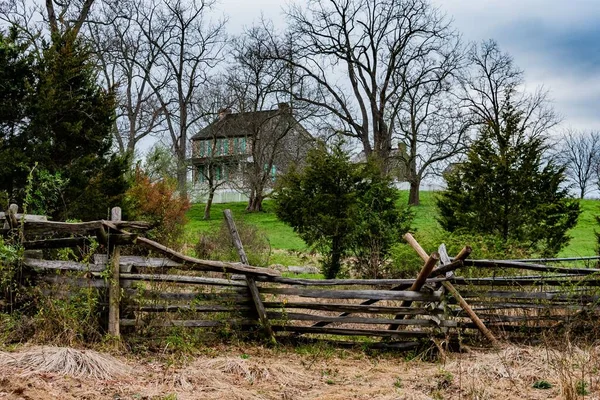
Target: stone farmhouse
(227, 152)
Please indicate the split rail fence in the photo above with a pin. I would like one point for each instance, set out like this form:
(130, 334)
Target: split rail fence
(517, 299)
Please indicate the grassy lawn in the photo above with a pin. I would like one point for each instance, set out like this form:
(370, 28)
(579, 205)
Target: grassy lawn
(279, 234)
(282, 237)
(583, 242)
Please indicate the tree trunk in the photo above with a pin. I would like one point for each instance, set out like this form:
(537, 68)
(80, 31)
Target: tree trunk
(336, 259)
(255, 203)
(413, 196)
(211, 195)
(182, 178)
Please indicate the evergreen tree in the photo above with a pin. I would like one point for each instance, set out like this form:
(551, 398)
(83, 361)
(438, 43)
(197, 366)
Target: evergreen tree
(506, 188)
(340, 207)
(17, 78)
(68, 135)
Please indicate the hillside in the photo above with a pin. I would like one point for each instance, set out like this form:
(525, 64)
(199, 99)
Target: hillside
(282, 237)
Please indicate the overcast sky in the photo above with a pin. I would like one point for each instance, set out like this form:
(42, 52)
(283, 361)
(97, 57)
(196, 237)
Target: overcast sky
(556, 43)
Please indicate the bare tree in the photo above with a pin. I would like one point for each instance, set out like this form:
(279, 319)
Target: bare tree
(36, 19)
(189, 47)
(216, 100)
(257, 81)
(127, 61)
(354, 53)
(492, 81)
(580, 153)
(431, 127)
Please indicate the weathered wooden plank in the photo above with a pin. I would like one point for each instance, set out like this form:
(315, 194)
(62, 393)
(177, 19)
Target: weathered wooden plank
(28, 217)
(187, 323)
(495, 318)
(518, 282)
(352, 332)
(530, 267)
(230, 297)
(566, 296)
(62, 265)
(561, 259)
(486, 306)
(351, 308)
(76, 282)
(186, 307)
(194, 280)
(61, 227)
(57, 243)
(95, 269)
(40, 226)
(354, 294)
(357, 320)
(341, 282)
(140, 262)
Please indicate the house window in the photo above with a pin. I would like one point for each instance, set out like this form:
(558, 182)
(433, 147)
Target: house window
(221, 172)
(226, 146)
(236, 145)
(200, 177)
(243, 145)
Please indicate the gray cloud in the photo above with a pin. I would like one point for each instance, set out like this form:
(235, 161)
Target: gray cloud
(556, 43)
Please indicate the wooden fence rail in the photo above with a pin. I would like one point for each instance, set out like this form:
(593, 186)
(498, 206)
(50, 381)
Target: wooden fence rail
(173, 289)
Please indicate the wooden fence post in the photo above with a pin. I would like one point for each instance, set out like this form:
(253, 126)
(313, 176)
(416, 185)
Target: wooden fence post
(260, 307)
(11, 216)
(114, 290)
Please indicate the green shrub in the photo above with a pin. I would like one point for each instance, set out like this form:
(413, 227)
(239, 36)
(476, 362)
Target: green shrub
(340, 208)
(510, 188)
(3, 200)
(11, 277)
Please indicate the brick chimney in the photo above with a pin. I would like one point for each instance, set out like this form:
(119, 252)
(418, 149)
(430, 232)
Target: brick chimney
(223, 112)
(284, 108)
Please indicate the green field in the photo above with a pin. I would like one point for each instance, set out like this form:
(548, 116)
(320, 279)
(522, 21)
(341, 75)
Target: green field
(282, 237)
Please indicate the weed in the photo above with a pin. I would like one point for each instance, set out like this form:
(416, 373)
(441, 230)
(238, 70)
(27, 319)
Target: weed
(398, 383)
(581, 388)
(444, 379)
(542, 384)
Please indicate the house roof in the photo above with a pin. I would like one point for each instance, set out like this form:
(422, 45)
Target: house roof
(239, 124)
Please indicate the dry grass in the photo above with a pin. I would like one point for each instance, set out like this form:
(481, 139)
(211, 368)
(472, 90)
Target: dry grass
(66, 361)
(257, 373)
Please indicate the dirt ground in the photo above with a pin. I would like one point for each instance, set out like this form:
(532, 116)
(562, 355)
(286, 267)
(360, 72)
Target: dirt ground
(314, 372)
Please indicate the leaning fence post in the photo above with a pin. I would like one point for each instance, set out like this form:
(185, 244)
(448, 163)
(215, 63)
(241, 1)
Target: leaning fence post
(260, 307)
(114, 290)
